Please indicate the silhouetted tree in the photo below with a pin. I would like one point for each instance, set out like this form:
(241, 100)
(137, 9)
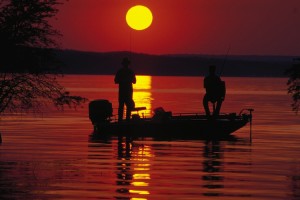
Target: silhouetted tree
(28, 65)
(294, 84)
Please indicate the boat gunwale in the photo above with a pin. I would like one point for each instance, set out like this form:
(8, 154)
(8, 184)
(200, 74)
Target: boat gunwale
(186, 117)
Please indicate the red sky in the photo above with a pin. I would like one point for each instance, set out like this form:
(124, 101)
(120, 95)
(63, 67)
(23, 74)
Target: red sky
(259, 27)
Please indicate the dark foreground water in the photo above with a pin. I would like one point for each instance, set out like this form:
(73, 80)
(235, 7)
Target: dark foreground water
(52, 156)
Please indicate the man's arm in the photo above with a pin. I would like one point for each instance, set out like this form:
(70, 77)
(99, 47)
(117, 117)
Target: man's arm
(133, 78)
(117, 78)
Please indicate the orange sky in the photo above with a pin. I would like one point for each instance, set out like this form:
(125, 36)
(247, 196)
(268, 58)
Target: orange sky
(260, 27)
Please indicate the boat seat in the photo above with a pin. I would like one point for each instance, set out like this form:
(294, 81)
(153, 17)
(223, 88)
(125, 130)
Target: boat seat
(137, 109)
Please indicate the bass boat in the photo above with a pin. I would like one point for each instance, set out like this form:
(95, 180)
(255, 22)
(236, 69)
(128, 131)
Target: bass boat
(165, 124)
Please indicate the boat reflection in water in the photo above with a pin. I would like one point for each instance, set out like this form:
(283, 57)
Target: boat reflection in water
(136, 163)
(212, 168)
(133, 169)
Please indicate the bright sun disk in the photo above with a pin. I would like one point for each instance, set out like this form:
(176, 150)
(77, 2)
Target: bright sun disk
(139, 17)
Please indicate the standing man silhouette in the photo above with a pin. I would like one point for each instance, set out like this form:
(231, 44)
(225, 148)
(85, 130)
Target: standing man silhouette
(125, 77)
(215, 91)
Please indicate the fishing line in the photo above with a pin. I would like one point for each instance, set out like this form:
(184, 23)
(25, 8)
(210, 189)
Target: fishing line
(130, 48)
(224, 60)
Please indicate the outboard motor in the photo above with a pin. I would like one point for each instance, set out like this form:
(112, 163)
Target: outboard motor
(100, 111)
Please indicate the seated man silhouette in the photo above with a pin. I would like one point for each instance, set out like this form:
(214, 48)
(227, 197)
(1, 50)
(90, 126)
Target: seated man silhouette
(215, 91)
(125, 77)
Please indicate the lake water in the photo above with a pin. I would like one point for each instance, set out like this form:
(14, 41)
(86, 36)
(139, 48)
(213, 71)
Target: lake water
(52, 156)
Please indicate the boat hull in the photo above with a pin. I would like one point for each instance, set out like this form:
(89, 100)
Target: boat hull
(176, 127)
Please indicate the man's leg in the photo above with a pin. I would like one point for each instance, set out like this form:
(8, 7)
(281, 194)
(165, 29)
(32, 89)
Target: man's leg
(129, 106)
(218, 108)
(205, 105)
(120, 110)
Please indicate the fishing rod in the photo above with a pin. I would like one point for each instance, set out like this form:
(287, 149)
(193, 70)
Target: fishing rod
(224, 60)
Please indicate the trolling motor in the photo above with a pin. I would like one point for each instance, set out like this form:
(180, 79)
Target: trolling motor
(250, 110)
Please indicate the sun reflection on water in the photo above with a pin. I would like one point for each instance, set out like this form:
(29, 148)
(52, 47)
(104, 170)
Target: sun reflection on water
(142, 93)
(141, 169)
(133, 168)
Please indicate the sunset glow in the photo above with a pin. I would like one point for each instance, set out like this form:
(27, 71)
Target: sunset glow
(139, 17)
(189, 26)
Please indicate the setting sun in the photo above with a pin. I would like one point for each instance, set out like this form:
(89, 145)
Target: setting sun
(139, 17)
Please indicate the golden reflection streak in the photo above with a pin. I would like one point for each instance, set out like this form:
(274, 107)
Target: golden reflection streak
(140, 184)
(142, 167)
(138, 192)
(142, 156)
(142, 93)
(141, 176)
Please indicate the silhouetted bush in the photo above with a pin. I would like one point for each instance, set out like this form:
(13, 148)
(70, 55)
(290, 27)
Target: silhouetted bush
(28, 65)
(294, 84)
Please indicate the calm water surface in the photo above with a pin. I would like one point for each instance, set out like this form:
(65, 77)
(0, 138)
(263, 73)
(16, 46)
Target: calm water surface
(52, 156)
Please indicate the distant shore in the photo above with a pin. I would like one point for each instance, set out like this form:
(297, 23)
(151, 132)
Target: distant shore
(107, 63)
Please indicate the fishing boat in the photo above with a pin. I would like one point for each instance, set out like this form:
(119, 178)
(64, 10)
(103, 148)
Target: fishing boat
(165, 124)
